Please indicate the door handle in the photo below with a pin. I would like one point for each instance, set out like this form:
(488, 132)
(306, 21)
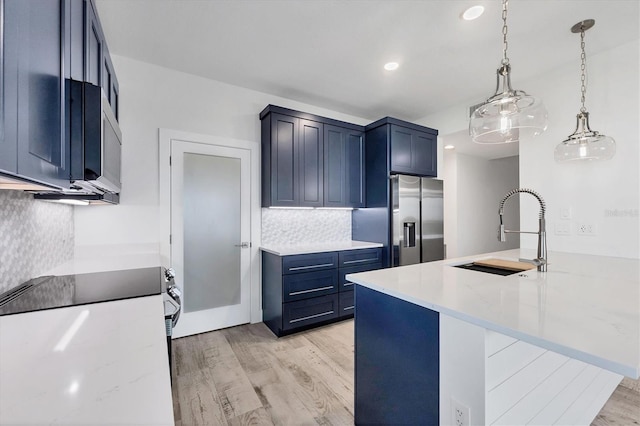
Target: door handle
(243, 245)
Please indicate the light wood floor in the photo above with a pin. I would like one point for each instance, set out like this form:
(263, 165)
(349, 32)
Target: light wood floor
(246, 376)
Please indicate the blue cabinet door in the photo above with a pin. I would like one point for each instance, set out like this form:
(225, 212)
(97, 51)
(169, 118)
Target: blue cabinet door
(425, 155)
(355, 168)
(42, 152)
(412, 151)
(344, 167)
(311, 163)
(110, 82)
(93, 45)
(9, 87)
(283, 170)
(335, 166)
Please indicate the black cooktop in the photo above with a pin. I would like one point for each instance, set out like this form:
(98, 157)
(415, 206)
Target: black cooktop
(51, 292)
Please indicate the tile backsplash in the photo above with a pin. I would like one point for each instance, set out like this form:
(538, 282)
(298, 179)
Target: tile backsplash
(291, 226)
(35, 236)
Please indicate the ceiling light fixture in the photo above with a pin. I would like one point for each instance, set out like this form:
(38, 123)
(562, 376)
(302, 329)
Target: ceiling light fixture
(508, 114)
(391, 66)
(584, 143)
(449, 147)
(474, 12)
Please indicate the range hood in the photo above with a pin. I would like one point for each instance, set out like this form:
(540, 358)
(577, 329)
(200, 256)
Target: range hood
(79, 198)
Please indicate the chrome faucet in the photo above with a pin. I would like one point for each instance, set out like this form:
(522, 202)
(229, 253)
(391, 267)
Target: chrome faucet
(541, 260)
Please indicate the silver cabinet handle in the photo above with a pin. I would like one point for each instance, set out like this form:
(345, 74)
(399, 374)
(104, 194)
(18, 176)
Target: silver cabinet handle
(311, 316)
(300, 268)
(348, 262)
(243, 245)
(295, 293)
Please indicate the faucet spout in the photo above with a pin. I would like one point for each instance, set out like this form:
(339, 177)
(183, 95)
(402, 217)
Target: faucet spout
(541, 260)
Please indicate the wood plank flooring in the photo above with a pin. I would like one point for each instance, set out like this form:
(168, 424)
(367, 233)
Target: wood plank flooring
(246, 376)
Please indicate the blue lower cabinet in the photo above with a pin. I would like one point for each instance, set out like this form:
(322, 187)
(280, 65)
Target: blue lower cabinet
(346, 306)
(397, 358)
(346, 285)
(309, 311)
(307, 290)
(309, 284)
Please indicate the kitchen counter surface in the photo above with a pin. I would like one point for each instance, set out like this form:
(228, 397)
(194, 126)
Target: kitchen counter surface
(99, 363)
(286, 250)
(585, 307)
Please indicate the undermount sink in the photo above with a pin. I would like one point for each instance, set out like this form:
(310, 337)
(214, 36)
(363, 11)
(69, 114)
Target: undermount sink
(496, 266)
(488, 269)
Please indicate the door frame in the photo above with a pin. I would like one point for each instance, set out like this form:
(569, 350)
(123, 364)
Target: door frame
(165, 136)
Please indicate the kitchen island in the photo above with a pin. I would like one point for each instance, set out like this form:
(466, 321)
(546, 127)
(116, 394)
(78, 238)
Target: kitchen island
(434, 341)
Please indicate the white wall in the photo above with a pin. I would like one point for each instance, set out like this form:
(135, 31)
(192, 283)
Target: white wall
(589, 189)
(473, 189)
(592, 191)
(153, 97)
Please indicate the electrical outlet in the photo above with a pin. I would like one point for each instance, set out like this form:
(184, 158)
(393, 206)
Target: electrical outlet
(587, 229)
(460, 414)
(563, 227)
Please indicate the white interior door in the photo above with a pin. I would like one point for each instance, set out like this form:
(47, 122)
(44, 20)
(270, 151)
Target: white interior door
(210, 235)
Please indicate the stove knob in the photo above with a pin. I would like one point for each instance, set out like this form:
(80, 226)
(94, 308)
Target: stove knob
(169, 274)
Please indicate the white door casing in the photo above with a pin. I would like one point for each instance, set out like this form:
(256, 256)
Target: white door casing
(174, 145)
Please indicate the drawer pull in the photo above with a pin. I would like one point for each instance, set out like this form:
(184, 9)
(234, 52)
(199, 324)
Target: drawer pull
(348, 262)
(310, 317)
(347, 284)
(295, 293)
(302, 268)
(348, 308)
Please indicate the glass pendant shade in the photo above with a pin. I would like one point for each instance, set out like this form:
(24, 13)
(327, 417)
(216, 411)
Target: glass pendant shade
(508, 115)
(585, 144)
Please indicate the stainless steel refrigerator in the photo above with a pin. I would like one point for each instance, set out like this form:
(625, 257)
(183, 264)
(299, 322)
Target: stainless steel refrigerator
(417, 220)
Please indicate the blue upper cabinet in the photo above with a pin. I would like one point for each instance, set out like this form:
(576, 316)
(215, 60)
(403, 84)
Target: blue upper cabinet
(412, 148)
(93, 53)
(310, 161)
(413, 151)
(344, 167)
(44, 44)
(34, 140)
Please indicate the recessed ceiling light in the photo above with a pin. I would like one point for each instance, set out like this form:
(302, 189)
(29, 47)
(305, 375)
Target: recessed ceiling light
(449, 147)
(472, 13)
(391, 66)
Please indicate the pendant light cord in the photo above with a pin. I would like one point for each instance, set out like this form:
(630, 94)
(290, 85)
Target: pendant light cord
(505, 59)
(583, 71)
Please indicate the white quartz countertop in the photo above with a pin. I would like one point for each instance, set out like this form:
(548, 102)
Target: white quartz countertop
(287, 250)
(585, 307)
(103, 363)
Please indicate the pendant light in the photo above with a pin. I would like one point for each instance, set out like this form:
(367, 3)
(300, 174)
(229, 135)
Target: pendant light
(584, 143)
(508, 114)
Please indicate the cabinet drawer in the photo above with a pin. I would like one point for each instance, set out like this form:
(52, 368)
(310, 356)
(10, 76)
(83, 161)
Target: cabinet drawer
(310, 311)
(346, 304)
(309, 284)
(309, 262)
(345, 285)
(360, 257)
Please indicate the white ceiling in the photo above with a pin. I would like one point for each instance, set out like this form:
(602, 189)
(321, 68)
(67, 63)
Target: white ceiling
(330, 53)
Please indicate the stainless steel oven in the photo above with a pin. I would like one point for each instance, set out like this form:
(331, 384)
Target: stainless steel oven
(172, 306)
